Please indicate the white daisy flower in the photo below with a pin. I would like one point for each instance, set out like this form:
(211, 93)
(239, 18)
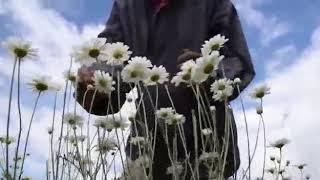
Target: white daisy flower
(91, 51)
(208, 64)
(41, 84)
(206, 131)
(20, 48)
(181, 77)
(157, 75)
(164, 113)
(73, 120)
(184, 76)
(107, 145)
(222, 89)
(280, 143)
(137, 70)
(103, 82)
(213, 44)
(117, 53)
(175, 169)
(260, 91)
(175, 119)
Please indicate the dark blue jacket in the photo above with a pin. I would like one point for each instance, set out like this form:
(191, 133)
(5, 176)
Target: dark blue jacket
(184, 24)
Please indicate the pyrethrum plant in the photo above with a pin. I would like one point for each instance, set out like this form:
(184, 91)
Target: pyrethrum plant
(86, 148)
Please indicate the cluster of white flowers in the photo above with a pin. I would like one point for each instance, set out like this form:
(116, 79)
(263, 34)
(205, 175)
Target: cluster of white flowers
(199, 70)
(170, 117)
(97, 50)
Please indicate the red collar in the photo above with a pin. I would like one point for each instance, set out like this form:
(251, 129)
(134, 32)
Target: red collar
(159, 4)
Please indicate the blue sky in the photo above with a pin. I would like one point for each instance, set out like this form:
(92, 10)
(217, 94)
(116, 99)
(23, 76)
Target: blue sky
(283, 37)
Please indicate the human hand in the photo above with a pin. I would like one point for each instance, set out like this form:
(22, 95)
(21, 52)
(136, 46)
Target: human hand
(187, 55)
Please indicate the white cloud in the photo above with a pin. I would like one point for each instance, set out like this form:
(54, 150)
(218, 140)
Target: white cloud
(269, 26)
(292, 109)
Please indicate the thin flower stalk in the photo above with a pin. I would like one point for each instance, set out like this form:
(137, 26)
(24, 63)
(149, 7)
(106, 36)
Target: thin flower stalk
(28, 132)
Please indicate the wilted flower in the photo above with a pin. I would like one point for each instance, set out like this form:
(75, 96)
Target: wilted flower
(280, 143)
(73, 120)
(137, 70)
(222, 89)
(91, 51)
(157, 75)
(206, 131)
(117, 53)
(175, 169)
(103, 82)
(213, 44)
(107, 145)
(20, 48)
(260, 92)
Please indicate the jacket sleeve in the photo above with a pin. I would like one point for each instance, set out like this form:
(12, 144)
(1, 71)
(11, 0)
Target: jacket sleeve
(113, 33)
(237, 62)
